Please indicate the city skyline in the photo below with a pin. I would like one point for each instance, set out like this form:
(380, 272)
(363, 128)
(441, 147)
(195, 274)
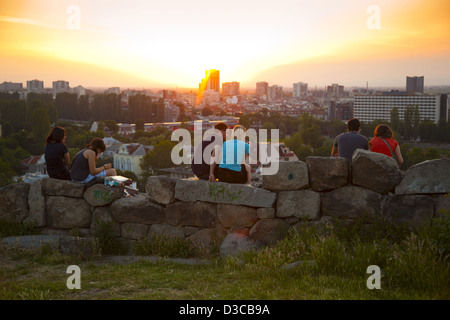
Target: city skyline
(169, 44)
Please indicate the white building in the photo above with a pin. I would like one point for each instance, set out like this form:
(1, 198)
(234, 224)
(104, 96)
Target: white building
(35, 86)
(378, 107)
(10, 87)
(115, 90)
(79, 91)
(300, 90)
(60, 86)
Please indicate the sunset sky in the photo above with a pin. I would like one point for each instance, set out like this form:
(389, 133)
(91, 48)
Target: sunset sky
(137, 43)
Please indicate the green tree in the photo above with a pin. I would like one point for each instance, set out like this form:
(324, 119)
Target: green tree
(312, 137)
(395, 119)
(157, 158)
(40, 128)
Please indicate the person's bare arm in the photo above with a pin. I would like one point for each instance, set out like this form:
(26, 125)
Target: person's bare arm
(334, 151)
(67, 159)
(398, 154)
(90, 155)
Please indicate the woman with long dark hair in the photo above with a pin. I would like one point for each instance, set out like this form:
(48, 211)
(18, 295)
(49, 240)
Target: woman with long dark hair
(383, 141)
(56, 154)
(84, 167)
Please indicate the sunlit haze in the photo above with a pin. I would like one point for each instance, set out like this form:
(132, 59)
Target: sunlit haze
(171, 43)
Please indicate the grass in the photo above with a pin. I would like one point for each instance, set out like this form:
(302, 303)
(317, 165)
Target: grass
(414, 265)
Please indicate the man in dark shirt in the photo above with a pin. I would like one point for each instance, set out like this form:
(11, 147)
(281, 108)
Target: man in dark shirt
(201, 168)
(346, 143)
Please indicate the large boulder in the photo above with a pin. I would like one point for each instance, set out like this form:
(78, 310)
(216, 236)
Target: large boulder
(136, 210)
(135, 231)
(375, 171)
(36, 203)
(166, 230)
(409, 210)
(208, 237)
(300, 204)
(161, 189)
(221, 192)
(196, 214)
(327, 173)
(442, 205)
(427, 177)
(351, 202)
(236, 216)
(100, 195)
(269, 231)
(236, 243)
(66, 188)
(291, 175)
(14, 201)
(67, 213)
(102, 219)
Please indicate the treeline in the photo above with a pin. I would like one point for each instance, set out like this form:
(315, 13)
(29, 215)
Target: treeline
(109, 106)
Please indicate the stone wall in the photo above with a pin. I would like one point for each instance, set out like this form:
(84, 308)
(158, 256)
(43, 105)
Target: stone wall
(240, 217)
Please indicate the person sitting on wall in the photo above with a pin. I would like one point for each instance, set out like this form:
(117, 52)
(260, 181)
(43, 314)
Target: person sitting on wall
(56, 154)
(346, 143)
(84, 165)
(232, 155)
(200, 166)
(383, 142)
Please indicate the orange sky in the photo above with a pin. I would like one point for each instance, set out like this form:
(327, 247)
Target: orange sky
(171, 43)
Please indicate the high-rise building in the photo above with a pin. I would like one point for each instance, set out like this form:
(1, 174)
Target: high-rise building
(262, 89)
(300, 90)
(35, 86)
(335, 90)
(378, 107)
(60, 86)
(275, 92)
(414, 84)
(231, 88)
(10, 87)
(211, 82)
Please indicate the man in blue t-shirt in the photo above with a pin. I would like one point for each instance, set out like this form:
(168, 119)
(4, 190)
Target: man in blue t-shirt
(346, 143)
(233, 155)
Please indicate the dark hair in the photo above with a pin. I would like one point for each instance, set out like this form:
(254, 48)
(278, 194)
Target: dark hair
(383, 131)
(222, 126)
(56, 135)
(97, 143)
(353, 124)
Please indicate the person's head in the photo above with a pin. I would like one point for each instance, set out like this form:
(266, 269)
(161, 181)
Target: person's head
(239, 132)
(58, 134)
(353, 125)
(222, 127)
(97, 145)
(383, 131)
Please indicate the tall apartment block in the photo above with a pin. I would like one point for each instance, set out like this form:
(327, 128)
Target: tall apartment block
(231, 88)
(10, 87)
(262, 89)
(378, 107)
(414, 84)
(60, 86)
(35, 86)
(300, 90)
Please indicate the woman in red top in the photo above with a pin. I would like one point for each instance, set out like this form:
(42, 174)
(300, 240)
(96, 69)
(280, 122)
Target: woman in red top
(382, 135)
